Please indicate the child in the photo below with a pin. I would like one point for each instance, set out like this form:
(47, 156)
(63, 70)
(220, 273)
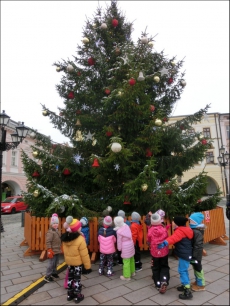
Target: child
(107, 240)
(181, 238)
(137, 235)
(76, 254)
(53, 246)
(85, 229)
(126, 246)
(157, 233)
(121, 213)
(195, 222)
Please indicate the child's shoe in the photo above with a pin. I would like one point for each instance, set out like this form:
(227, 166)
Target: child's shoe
(163, 287)
(186, 295)
(70, 295)
(79, 298)
(48, 279)
(110, 273)
(125, 278)
(133, 274)
(195, 287)
(55, 275)
(101, 272)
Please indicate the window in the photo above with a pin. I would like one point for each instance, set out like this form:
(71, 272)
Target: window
(209, 158)
(206, 132)
(227, 132)
(14, 158)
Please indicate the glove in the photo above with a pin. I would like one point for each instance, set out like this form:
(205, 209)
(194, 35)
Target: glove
(87, 271)
(162, 245)
(50, 253)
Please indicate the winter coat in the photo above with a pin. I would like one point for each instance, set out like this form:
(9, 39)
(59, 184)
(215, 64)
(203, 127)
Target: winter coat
(53, 240)
(156, 235)
(85, 231)
(181, 238)
(75, 250)
(107, 240)
(125, 242)
(137, 233)
(198, 242)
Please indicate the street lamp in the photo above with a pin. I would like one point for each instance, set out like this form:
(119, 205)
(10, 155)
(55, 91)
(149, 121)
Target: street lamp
(223, 161)
(21, 132)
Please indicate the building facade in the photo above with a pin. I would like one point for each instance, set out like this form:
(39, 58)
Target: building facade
(216, 127)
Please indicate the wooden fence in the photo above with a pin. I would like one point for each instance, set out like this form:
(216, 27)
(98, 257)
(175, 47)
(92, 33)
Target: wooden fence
(35, 229)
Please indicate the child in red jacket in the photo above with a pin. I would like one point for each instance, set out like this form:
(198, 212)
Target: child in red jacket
(137, 235)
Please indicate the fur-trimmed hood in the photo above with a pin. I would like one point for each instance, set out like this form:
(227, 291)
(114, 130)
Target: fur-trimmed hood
(67, 237)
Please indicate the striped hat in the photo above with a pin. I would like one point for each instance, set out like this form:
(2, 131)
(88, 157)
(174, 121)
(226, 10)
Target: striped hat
(74, 224)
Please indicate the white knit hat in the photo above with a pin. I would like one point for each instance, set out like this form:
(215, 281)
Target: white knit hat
(54, 219)
(121, 213)
(119, 222)
(135, 216)
(155, 219)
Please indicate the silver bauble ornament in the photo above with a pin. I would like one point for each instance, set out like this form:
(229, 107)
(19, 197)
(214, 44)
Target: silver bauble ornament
(183, 83)
(158, 122)
(144, 40)
(104, 26)
(116, 147)
(70, 68)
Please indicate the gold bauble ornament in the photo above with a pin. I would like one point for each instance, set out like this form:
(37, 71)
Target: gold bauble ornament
(119, 93)
(36, 193)
(158, 122)
(58, 69)
(156, 79)
(151, 44)
(183, 83)
(173, 64)
(144, 187)
(85, 40)
(201, 136)
(94, 25)
(45, 113)
(35, 154)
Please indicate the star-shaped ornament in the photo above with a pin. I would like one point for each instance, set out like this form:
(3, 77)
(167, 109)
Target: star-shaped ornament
(89, 136)
(84, 106)
(125, 59)
(77, 158)
(117, 167)
(164, 71)
(99, 43)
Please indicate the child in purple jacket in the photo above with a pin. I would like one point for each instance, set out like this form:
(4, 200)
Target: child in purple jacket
(126, 246)
(157, 233)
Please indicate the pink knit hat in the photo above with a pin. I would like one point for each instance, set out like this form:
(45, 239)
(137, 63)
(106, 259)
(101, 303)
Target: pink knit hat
(161, 213)
(54, 219)
(107, 221)
(73, 224)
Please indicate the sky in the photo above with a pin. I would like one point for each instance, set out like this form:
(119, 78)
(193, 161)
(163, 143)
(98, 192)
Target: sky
(35, 34)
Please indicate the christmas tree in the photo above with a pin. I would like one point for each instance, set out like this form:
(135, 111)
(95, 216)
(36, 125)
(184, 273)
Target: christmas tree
(117, 96)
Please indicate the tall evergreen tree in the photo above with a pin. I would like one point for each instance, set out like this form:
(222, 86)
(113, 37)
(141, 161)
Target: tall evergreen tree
(118, 96)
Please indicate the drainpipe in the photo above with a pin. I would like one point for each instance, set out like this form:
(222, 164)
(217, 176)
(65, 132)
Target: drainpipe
(219, 146)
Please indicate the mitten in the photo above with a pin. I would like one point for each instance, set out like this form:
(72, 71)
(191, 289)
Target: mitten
(87, 271)
(50, 253)
(162, 245)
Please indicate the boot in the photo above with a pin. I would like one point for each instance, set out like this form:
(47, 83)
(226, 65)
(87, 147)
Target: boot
(78, 298)
(186, 295)
(70, 295)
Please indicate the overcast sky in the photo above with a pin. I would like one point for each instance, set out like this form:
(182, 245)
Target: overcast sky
(35, 34)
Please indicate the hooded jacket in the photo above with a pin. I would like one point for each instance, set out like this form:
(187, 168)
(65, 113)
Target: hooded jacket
(75, 250)
(156, 235)
(181, 238)
(125, 242)
(198, 242)
(53, 240)
(107, 239)
(137, 233)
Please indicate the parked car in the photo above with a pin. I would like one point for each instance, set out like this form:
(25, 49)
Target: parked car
(13, 205)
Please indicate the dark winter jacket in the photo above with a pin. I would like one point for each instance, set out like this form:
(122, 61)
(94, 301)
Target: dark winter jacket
(198, 242)
(181, 238)
(85, 231)
(53, 240)
(109, 231)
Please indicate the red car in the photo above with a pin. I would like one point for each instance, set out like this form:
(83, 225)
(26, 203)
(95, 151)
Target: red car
(13, 205)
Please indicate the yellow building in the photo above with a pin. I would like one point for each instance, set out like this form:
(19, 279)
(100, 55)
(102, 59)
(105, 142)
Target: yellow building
(216, 127)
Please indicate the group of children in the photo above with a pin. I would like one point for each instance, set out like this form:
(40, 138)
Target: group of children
(126, 237)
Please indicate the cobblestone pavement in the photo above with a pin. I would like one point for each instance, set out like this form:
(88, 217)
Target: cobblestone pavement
(19, 272)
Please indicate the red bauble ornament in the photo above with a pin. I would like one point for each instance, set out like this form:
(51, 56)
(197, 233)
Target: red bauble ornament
(204, 141)
(152, 108)
(71, 95)
(107, 91)
(95, 163)
(35, 174)
(166, 181)
(91, 61)
(169, 192)
(170, 80)
(114, 23)
(78, 73)
(148, 153)
(109, 133)
(132, 82)
(165, 119)
(66, 171)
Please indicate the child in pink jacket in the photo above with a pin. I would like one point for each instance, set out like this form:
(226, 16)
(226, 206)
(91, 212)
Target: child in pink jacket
(126, 246)
(157, 233)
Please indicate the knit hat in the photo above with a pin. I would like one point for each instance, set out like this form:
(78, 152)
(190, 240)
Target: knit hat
(84, 221)
(121, 213)
(107, 221)
(161, 213)
(196, 219)
(155, 219)
(54, 219)
(135, 216)
(74, 224)
(119, 222)
(180, 221)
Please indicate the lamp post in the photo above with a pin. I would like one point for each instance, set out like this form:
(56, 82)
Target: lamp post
(17, 138)
(223, 162)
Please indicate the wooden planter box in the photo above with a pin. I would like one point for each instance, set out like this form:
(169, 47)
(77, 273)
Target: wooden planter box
(35, 229)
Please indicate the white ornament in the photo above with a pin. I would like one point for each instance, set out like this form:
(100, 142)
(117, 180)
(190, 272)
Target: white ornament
(164, 71)
(141, 76)
(144, 40)
(70, 68)
(104, 26)
(89, 136)
(109, 208)
(183, 83)
(116, 147)
(85, 107)
(85, 40)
